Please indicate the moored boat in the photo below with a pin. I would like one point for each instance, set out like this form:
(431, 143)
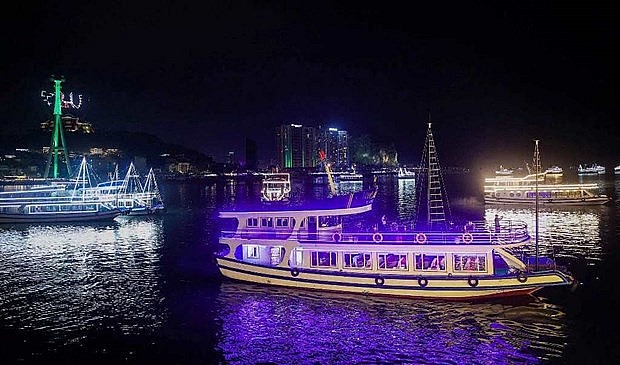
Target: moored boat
(57, 204)
(503, 171)
(594, 169)
(522, 190)
(405, 173)
(313, 247)
(276, 187)
(554, 171)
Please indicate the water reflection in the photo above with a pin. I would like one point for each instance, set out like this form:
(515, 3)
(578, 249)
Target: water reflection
(70, 280)
(279, 325)
(572, 231)
(406, 200)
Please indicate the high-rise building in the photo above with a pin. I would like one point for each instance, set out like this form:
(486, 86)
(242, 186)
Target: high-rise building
(335, 143)
(296, 146)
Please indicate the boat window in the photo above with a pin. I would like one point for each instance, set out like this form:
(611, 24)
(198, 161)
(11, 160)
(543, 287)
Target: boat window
(470, 262)
(252, 251)
(282, 222)
(266, 222)
(328, 221)
(323, 259)
(252, 222)
(392, 261)
(357, 260)
(277, 254)
(430, 262)
(296, 259)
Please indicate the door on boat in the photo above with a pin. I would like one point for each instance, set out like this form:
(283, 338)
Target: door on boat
(312, 228)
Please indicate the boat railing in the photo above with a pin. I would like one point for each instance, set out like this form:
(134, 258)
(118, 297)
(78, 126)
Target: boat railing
(477, 234)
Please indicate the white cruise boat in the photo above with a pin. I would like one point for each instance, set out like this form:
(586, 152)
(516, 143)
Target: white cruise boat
(313, 247)
(404, 173)
(502, 171)
(524, 190)
(276, 187)
(56, 205)
(350, 176)
(594, 169)
(554, 171)
(617, 170)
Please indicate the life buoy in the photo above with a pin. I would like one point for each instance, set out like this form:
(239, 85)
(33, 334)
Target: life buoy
(337, 237)
(521, 277)
(377, 237)
(420, 238)
(472, 281)
(422, 282)
(295, 271)
(467, 237)
(379, 281)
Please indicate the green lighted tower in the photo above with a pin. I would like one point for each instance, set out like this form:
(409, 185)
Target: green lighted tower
(57, 144)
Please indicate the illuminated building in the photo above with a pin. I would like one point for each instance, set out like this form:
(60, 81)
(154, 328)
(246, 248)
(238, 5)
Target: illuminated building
(70, 124)
(335, 143)
(297, 147)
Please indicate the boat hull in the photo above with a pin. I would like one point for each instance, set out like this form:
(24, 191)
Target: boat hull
(397, 285)
(59, 217)
(598, 200)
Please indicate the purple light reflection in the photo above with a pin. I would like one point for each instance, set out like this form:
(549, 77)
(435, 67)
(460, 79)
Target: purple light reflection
(279, 325)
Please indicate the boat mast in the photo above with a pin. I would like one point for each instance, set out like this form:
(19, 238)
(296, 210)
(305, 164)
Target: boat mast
(436, 214)
(537, 171)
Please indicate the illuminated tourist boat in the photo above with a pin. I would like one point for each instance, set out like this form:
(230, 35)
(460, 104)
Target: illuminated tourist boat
(404, 173)
(58, 205)
(554, 171)
(617, 170)
(594, 169)
(130, 195)
(522, 190)
(502, 171)
(276, 187)
(313, 247)
(350, 176)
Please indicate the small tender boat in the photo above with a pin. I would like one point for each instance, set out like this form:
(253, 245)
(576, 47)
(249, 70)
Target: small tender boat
(594, 169)
(276, 187)
(502, 171)
(312, 247)
(350, 177)
(405, 173)
(554, 171)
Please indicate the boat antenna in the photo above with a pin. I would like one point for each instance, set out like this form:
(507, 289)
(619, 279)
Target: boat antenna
(537, 171)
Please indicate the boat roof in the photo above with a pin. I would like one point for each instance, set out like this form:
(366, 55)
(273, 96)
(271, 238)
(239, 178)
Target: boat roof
(353, 203)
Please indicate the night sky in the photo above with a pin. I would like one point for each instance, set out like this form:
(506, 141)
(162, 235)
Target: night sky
(494, 76)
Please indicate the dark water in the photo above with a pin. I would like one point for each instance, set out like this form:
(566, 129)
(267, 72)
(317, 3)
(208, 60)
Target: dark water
(146, 290)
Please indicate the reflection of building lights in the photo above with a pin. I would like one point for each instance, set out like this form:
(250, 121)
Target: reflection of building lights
(570, 231)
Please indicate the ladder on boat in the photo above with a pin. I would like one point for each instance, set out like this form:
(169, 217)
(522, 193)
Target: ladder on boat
(437, 206)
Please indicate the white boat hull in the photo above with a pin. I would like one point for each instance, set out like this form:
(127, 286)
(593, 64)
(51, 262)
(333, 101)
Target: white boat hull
(399, 285)
(598, 200)
(59, 217)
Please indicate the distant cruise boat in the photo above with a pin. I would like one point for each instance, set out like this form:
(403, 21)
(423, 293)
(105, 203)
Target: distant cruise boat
(554, 171)
(404, 173)
(503, 171)
(594, 169)
(617, 170)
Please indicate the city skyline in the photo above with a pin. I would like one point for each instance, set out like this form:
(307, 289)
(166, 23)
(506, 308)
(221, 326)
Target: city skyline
(493, 77)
